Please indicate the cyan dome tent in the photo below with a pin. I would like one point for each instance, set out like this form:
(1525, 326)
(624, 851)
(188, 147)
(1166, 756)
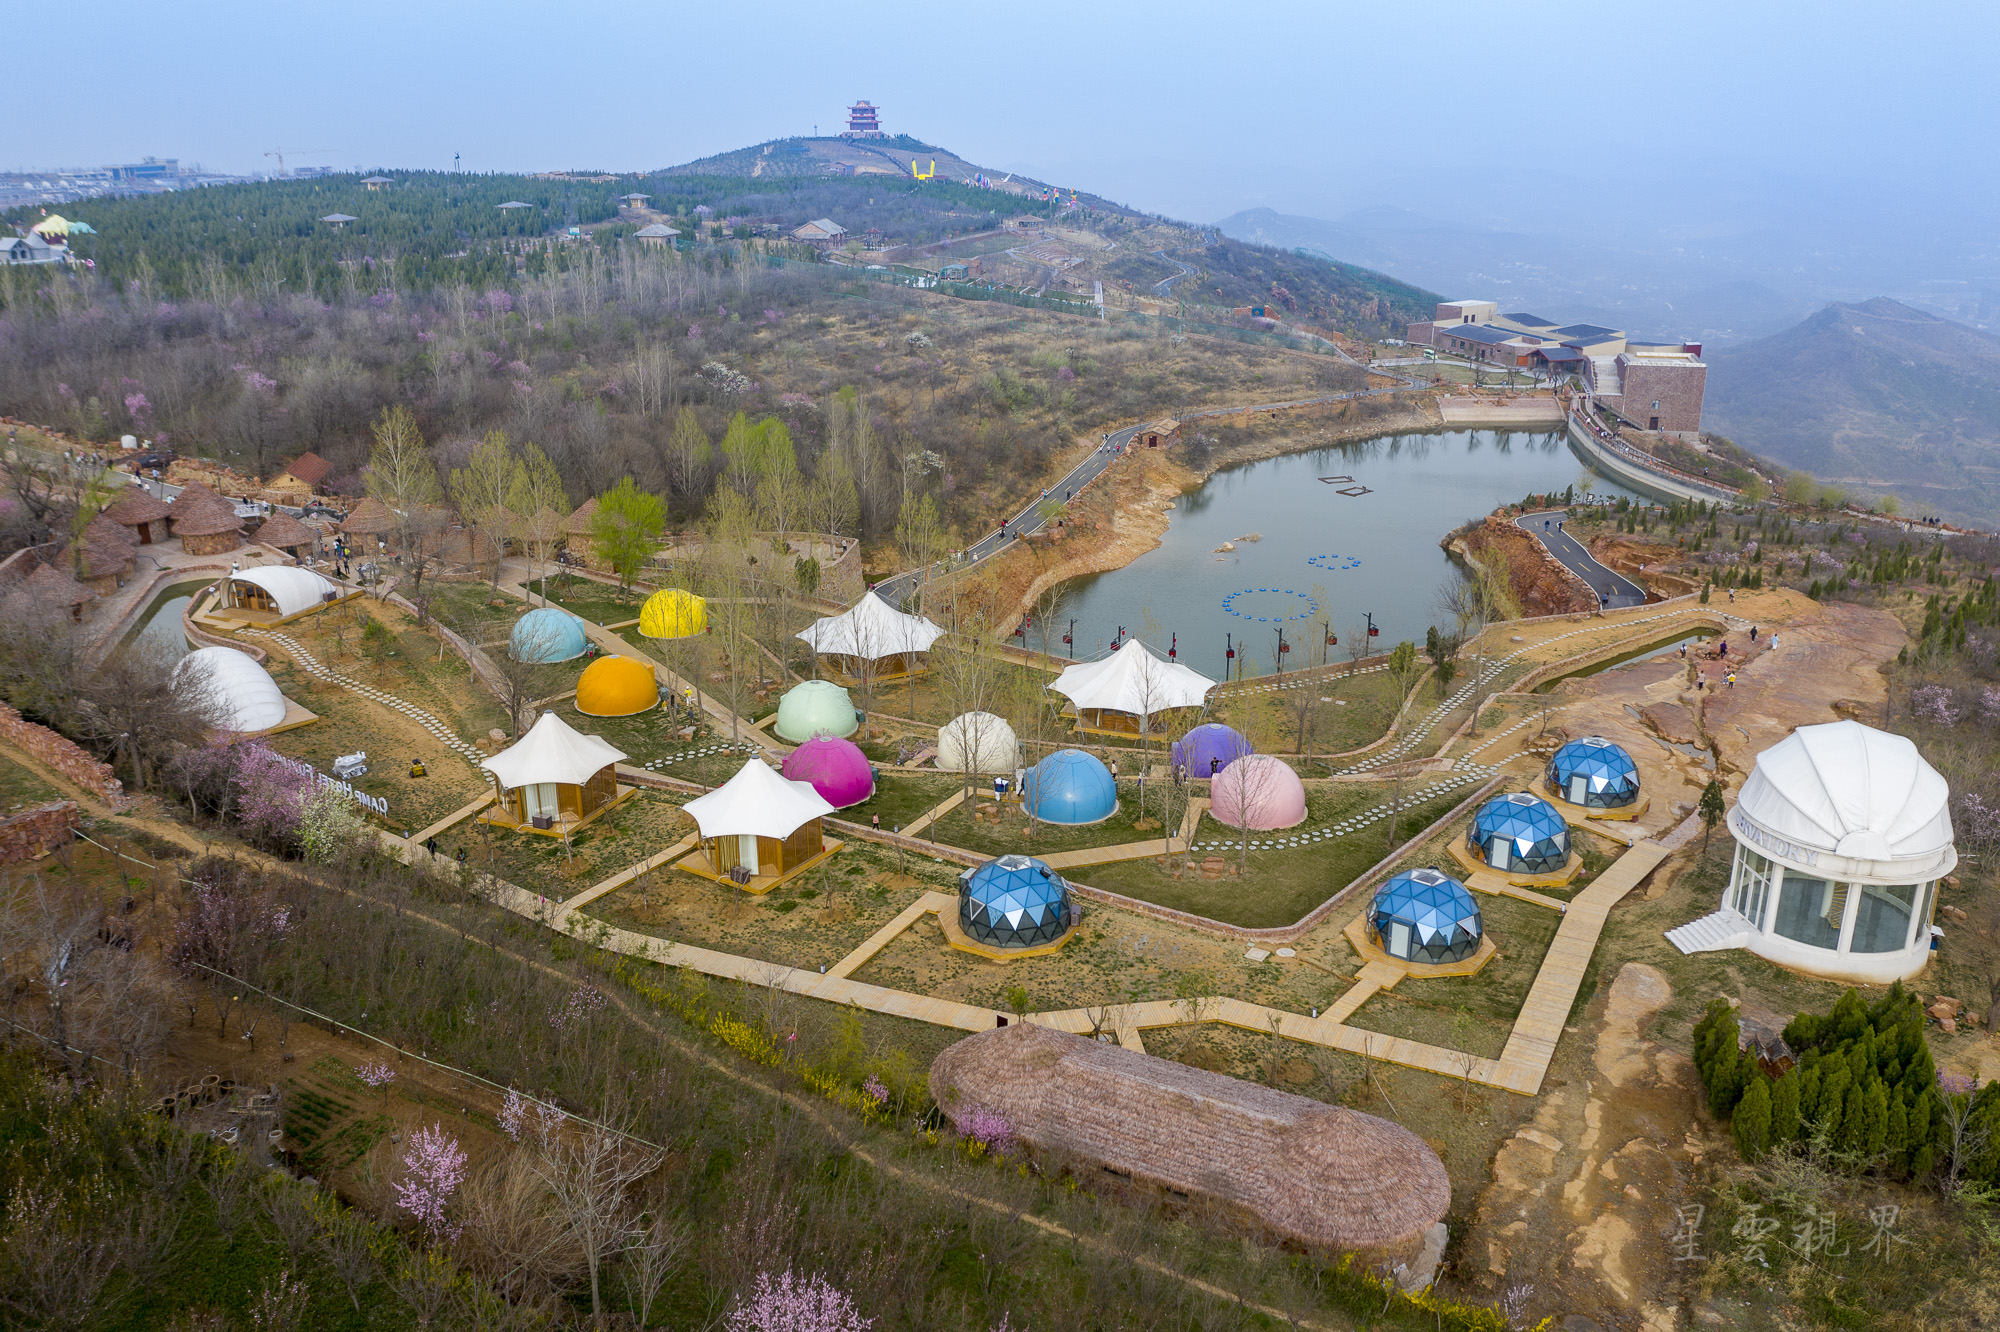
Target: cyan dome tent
(817, 707)
(1013, 902)
(1425, 916)
(1070, 786)
(1595, 773)
(1520, 832)
(1209, 748)
(835, 768)
(546, 634)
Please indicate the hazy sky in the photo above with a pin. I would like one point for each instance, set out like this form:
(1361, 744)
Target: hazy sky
(1195, 110)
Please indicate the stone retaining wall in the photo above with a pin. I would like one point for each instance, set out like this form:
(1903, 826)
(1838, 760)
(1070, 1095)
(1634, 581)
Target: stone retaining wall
(38, 830)
(69, 761)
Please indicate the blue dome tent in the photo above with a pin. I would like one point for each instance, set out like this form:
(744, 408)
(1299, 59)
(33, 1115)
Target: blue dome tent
(1520, 832)
(546, 635)
(1594, 773)
(1425, 916)
(1070, 786)
(1013, 902)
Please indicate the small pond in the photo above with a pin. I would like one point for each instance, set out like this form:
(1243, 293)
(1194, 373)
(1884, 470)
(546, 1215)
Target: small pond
(1318, 539)
(158, 632)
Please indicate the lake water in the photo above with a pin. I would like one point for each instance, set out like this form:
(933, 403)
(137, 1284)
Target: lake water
(1323, 557)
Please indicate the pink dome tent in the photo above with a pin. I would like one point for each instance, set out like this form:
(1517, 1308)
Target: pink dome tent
(1269, 789)
(835, 768)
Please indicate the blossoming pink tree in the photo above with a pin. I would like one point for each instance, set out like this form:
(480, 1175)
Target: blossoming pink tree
(794, 1303)
(436, 1167)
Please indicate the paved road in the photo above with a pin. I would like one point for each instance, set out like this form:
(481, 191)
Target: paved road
(1613, 588)
(1166, 288)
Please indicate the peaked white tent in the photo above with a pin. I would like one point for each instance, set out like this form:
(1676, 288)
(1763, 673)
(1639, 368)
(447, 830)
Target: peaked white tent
(555, 775)
(868, 632)
(760, 823)
(1127, 691)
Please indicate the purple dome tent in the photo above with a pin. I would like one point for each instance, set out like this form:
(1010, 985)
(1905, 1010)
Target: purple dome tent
(836, 768)
(1214, 741)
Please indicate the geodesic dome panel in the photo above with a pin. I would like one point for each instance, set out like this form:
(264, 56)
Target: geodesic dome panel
(673, 612)
(1425, 916)
(1070, 786)
(616, 687)
(1520, 832)
(1208, 749)
(1013, 902)
(546, 635)
(977, 742)
(1595, 773)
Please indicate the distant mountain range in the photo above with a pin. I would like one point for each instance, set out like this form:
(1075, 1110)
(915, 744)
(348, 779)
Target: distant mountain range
(1646, 287)
(1877, 396)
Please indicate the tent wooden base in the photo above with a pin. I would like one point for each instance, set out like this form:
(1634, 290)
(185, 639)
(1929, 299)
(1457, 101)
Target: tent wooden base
(1371, 952)
(295, 717)
(1561, 878)
(227, 620)
(955, 935)
(698, 864)
(1576, 814)
(500, 816)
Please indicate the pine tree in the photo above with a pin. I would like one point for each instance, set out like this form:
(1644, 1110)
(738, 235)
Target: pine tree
(1785, 1108)
(1752, 1122)
(1873, 1133)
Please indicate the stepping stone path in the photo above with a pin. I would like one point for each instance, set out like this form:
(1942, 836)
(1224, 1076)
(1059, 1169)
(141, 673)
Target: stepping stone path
(1465, 772)
(313, 667)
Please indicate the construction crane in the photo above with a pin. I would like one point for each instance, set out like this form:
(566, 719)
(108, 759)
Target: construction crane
(279, 153)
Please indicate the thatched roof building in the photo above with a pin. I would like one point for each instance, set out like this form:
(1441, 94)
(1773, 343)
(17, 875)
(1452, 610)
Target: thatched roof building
(283, 532)
(52, 585)
(205, 522)
(371, 517)
(577, 538)
(1318, 1173)
(103, 556)
(141, 513)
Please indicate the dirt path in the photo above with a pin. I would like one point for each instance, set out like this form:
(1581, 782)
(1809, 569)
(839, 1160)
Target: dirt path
(1582, 1204)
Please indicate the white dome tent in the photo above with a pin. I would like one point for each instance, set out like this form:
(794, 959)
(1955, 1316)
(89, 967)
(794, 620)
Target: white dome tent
(1842, 833)
(1126, 692)
(242, 695)
(977, 742)
(554, 779)
(871, 639)
(286, 589)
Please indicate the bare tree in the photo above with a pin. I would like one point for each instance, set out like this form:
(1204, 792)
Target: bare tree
(589, 1172)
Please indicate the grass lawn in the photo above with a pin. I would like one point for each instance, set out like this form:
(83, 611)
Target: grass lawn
(629, 833)
(20, 786)
(901, 797)
(1281, 886)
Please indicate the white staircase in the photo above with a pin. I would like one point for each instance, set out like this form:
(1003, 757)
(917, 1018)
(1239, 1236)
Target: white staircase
(1715, 933)
(1604, 380)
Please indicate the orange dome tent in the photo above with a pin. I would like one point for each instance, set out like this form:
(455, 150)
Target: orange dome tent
(616, 687)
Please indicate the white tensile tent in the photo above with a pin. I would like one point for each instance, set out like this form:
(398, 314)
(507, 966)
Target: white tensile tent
(757, 802)
(1852, 790)
(285, 589)
(1128, 689)
(552, 751)
(759, 824)
(871, 631)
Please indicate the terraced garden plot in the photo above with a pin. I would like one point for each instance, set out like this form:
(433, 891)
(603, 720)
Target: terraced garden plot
(21, 785)
(647, 823)
(327, 1119)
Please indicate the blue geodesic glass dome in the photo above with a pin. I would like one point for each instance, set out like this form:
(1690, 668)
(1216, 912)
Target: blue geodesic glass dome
(1520, 832)
(1425, 916)
(1594, 772)
(1013, 902)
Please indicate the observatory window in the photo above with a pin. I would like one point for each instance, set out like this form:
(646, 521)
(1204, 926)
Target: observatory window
(1882, 922)
(1753, 886)
(1804, 908)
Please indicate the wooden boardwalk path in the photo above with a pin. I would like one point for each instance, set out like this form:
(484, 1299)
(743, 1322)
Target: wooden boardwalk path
(631, 872)
(1486, 881)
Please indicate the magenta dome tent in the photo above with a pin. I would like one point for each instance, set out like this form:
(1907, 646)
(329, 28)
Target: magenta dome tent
(834, 767)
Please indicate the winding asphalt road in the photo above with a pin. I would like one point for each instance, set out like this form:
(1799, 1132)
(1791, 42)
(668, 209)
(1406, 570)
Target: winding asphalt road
(1613, 588)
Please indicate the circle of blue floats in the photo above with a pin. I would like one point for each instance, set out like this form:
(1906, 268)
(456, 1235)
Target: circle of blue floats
(1312, 605)
(1328, 562)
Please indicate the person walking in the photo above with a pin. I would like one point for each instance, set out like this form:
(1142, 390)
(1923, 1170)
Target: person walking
(1732, 679)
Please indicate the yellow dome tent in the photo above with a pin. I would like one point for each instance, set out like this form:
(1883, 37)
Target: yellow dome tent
(673, 613)
(616, 687)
